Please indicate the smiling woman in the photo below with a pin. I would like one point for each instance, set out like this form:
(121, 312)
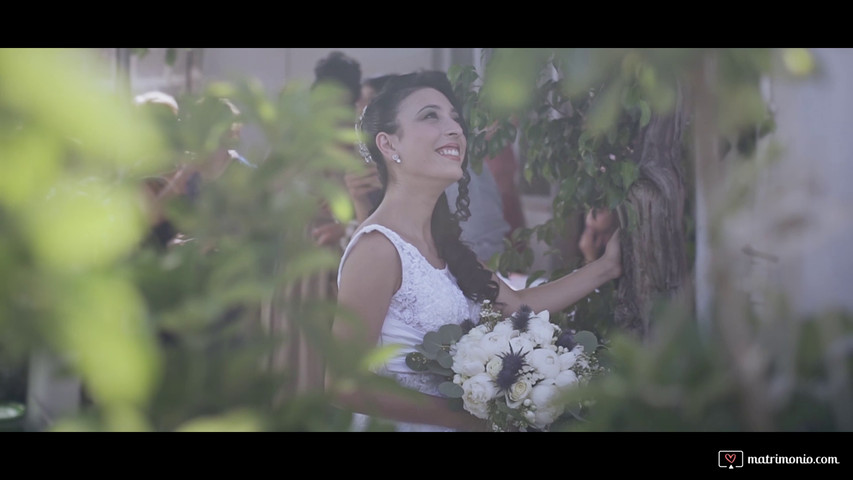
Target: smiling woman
(406, 272)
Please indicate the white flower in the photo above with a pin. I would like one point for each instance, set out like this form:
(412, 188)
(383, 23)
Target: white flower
(518, 392)
(565, 379)
(493, 367)
(545, 396)
(582, 361)
(470, 360)
(495, 343)
(541, 329)
(504, 328)
(567, 360)
(545, 361)
(522, 344)
(479, 390)
(475, 333)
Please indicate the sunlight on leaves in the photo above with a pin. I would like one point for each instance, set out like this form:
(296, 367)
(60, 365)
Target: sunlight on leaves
(377, 357)
(29, 167)
(101, 327)
(605, 110)
(799, 61)
(85, 226)
(57, 87)
(239, 420)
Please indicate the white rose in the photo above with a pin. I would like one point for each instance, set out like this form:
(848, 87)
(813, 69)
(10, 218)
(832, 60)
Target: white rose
(518, 392)
(522, 344)
(545, 396)
(567, 360)
(545, 361)
(565, 379)
(475, 333)
(495, 343)
(479, 390)
(541, 329)
(503, 327)
(493, 367)
(471, 338)
(470, 360)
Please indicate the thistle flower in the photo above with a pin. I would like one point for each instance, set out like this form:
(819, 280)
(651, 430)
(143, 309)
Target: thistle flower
(510, 369)
(566, 340)
(521, 318)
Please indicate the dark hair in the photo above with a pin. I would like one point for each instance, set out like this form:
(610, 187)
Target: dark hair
(339, 68)
(473, 279)
(378, 82)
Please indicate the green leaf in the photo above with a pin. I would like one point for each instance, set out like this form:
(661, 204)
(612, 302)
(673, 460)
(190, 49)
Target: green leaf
(588, 340)
(450, 390)
(583, 141)
(645, 113)
(171, 56)
(630, 172)
(605, 111)
(614, 197)
(380, 355)
(568, 187)
(528, 172)
(534, 276)
(432, 342)
(527, 258)
(439, 370)
(589, 163)
(444, 359)
(238, 420)
(574, 410)
(417, 362)
(449, 333)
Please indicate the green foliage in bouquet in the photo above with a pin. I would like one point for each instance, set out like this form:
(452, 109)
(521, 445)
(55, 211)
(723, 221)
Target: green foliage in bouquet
(433, 355)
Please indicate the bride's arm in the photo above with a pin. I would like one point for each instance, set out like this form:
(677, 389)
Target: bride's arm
(562, 293)
(369, 277)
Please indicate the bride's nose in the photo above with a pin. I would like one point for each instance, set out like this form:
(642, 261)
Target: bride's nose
(453, 128)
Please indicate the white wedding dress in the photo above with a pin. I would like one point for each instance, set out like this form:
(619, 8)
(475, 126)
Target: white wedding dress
(427, 299)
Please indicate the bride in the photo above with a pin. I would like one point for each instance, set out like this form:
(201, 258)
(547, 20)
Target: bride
(406, 271)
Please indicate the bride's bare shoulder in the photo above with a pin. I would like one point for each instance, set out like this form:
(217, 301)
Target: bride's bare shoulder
(371, 265)
(373, 248)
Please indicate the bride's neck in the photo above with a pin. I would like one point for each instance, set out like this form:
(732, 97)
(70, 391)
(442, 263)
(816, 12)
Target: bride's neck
(408, 212)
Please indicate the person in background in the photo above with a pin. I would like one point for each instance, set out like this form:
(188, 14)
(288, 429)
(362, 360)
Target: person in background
(298, 357)
(187, 178)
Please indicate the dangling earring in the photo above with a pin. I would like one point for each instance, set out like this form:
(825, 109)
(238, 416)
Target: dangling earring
(396, 158)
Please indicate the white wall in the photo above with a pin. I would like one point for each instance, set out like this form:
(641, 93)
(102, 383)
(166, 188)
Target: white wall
(801, 210)
(276, 66)
(814, 182)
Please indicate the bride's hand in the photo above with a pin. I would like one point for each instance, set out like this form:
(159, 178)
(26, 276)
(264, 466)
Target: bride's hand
(613, 254)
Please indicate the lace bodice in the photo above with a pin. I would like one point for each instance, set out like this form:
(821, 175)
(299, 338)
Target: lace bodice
(428, 298)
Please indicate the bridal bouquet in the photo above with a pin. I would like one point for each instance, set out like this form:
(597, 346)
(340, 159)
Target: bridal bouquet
(510, 371)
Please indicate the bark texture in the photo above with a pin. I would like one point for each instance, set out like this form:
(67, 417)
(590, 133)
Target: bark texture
(654, 256)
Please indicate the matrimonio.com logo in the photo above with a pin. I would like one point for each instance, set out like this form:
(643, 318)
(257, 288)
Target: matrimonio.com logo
(730, 459)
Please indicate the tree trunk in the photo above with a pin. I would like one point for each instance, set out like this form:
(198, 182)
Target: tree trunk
(654, 256)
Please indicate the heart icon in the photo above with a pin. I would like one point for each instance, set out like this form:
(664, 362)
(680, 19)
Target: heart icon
(730, 457)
